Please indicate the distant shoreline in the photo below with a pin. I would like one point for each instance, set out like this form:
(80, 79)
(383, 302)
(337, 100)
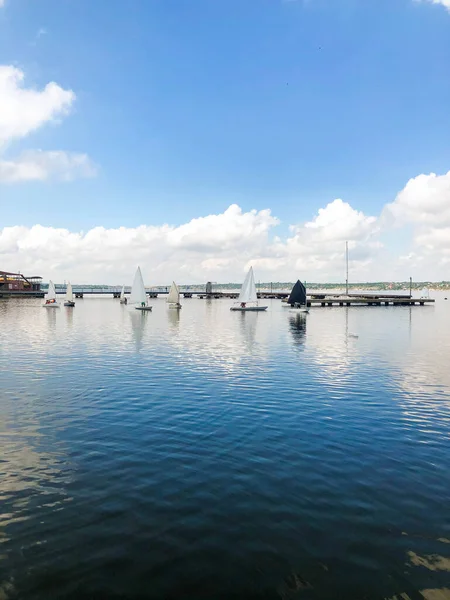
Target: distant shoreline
(382, 286)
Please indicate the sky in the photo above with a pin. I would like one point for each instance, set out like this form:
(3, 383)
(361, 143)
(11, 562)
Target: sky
(198, 137)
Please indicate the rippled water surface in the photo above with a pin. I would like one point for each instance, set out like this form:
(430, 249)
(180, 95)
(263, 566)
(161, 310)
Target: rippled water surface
(207, 454)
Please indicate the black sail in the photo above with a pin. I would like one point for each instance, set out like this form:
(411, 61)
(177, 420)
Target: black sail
(298, 294)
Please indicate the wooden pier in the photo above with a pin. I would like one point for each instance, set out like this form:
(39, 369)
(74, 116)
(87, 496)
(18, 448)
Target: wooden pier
(368, 301)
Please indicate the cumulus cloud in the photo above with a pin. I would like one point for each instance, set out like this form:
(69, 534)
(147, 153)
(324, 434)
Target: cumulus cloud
(110, 255)
(221, 247)
(37, 165)
(23, 110)
(424, 203)
(316, 248)
(217, 247)
(424, 200)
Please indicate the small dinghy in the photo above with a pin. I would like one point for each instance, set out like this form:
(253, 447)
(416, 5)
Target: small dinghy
(50, 298)
(297, 300)
(248, 296)
(173, 298)
(69, 296)
(138, 294)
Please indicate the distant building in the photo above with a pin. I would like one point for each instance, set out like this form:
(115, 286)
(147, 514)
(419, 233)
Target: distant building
(19, 283)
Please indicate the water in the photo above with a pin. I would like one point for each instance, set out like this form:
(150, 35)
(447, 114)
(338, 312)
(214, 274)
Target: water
(207, 454)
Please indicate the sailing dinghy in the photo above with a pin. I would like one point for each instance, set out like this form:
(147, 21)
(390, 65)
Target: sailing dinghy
(297, 300)
(248, 296)
(173, 299)
(123, 300)
(69, 295)
(138, 294)
(50, 298)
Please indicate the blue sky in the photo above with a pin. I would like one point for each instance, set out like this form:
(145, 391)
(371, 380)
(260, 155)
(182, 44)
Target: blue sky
(186, 107)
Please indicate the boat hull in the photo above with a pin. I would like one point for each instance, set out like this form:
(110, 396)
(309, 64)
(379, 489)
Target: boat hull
(144, 308)
(70, 304)
(176, 306)
(300, 310)
(249, 308)
(54, 305)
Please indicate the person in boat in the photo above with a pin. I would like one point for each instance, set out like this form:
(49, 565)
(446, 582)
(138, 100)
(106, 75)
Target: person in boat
(243, 304)
(142, 304)
(125, 301)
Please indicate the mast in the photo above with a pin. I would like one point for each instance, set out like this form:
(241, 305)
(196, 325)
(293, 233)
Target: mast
(346, 263)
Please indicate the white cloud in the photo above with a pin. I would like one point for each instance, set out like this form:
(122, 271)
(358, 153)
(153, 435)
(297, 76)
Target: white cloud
(317, 248)
(445, 3)
(225, 231)
(23, 110)
(338, 221)
(425, 200)
(186, 252)
(424, 203)
(215, 247)
(36, 165)
(220, 247)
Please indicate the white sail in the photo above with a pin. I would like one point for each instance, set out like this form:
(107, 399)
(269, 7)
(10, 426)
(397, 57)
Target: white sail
(248, 289)
(69, 293)
(174, 294)
(51, 294)
(138, 295)
(122, 293)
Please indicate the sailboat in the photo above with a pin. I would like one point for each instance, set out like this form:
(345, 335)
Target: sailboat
(69, 295)
(297, 299)
(248, 295)
(50, 298)
(123, 300)
(138, 293)
(173, 298)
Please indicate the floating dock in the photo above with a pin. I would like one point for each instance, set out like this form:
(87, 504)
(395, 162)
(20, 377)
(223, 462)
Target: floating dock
(367, 300)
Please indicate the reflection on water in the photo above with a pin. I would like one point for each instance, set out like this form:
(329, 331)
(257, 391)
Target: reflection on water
(248, 322)
(138, 320)
(173, 315)
(191, 454)
(51, 317)
(298, 328)
(69, 316)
